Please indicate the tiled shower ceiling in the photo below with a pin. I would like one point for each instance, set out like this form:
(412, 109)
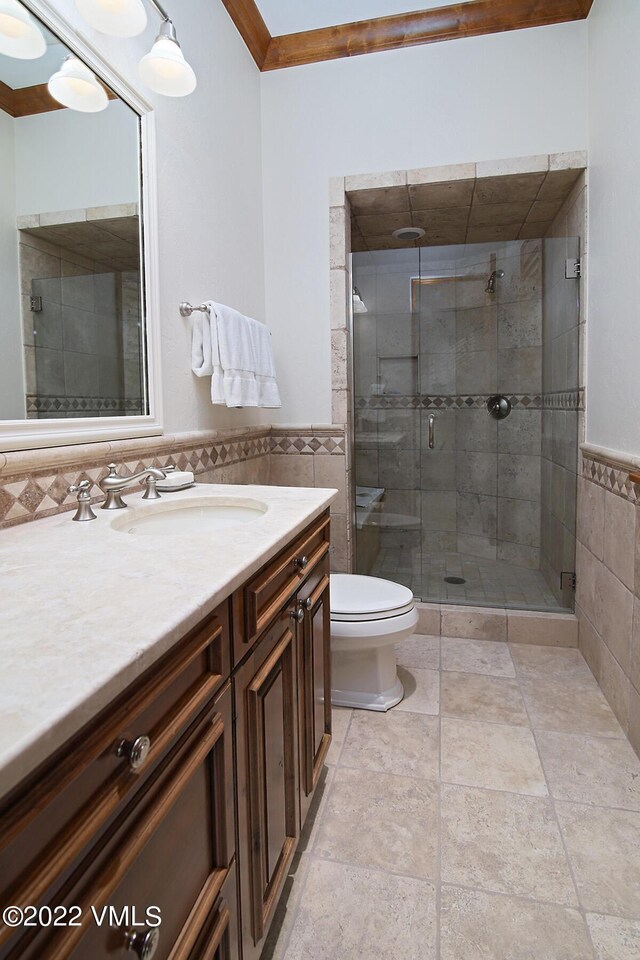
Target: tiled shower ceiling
(482, 210)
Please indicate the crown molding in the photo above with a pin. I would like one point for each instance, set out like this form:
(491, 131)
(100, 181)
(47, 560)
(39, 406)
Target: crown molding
(471, 19)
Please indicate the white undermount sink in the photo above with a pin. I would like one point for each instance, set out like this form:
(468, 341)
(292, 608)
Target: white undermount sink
(188, 517)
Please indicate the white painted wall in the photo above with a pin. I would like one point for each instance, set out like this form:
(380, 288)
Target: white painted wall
(505, 95)
(67, 160)
(209, 191)
(12, 402)
(613, 353)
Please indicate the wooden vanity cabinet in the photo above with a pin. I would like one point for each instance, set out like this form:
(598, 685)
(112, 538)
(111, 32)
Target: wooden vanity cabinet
(188, 793)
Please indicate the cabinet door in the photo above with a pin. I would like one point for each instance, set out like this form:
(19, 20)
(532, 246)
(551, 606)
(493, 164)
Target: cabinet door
(267, 754)
(169, 855)
(315, 688)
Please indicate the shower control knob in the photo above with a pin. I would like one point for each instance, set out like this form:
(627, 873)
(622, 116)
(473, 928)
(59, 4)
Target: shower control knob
(498, 406)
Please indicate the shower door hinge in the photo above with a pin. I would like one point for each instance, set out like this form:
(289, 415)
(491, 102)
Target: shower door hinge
(35, 304)
(567, 580)
(573, 269)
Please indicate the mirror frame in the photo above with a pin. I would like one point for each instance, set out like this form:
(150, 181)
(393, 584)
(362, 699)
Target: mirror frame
(30, 434)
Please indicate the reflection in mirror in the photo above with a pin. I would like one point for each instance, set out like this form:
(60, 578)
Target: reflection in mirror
(72, 326)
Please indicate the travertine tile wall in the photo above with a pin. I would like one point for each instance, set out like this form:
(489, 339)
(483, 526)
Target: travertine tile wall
(316, 457)
(564, 317)
(441, 352)
(608, 588)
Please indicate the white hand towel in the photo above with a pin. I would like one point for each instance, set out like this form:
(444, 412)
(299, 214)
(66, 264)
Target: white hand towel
(243, 373)
(201, 355)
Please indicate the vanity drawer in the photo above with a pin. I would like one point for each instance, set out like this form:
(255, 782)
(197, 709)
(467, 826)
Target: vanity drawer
(271, 588)
(53, 819)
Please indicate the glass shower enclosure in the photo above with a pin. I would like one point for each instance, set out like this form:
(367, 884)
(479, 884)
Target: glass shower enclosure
(466, 421)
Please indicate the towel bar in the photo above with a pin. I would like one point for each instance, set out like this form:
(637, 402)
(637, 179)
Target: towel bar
(186, 309)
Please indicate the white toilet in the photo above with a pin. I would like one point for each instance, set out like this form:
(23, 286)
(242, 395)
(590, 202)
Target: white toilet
(368, 616)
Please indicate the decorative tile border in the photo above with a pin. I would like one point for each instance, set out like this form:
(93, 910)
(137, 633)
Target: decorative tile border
(62, 405)
(564, 400)
(610, 475)
(561, 400)
(308, 443)
(42, 492)
(34, 484)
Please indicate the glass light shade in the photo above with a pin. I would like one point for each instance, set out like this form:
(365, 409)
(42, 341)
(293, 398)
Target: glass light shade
(20, 36)
(76, 87)
(165, 70)
(117, 18)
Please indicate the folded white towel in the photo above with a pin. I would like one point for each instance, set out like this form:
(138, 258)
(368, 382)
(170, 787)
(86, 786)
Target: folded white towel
(201, 355)
(242, 369)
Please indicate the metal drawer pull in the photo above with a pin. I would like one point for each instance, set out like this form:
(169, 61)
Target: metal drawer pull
(297, 614)
(301, 562)
(136, 751)
(144, 944)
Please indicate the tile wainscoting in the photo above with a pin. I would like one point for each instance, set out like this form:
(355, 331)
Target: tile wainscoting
(608, 587)
(34, 484)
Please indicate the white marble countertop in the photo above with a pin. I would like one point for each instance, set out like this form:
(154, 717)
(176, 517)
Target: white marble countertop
(85, 609)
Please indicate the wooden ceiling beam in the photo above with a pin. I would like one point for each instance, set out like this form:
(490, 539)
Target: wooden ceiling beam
(471, 19)
(29, 101)
(251, 27)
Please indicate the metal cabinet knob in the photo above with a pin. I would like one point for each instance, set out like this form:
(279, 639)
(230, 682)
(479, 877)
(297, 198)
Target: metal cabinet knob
(301, 562)
(297, 614)
(136, 751)
(143, 943)
(306, 604)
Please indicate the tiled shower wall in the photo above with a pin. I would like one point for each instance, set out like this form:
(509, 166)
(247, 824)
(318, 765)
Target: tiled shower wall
(563, 319)
(82, 350)
(440, 348)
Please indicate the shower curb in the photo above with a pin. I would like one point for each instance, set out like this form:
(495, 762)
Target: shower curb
(495, 623)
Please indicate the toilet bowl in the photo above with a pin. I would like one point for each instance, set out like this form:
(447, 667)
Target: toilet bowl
(368, 617)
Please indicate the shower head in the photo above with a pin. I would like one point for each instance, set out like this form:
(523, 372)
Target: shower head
(491, 282)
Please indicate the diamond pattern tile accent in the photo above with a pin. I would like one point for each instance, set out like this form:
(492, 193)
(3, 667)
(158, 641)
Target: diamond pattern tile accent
(41, 493)
(613, 478)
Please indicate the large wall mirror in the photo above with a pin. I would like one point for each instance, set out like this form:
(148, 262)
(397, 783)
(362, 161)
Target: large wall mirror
(74, 349)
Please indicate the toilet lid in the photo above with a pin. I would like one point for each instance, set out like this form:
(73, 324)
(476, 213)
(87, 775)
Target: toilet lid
(354, 597)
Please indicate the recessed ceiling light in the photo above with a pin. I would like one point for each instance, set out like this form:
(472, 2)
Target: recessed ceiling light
(408, 233)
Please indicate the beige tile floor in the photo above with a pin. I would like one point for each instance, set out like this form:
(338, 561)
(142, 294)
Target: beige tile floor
(493, 815)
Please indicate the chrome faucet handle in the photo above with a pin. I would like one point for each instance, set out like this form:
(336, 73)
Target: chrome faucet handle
(113, 484)
(84, 511)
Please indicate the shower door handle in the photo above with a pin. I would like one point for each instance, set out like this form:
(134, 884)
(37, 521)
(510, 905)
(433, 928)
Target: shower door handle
(431, 422)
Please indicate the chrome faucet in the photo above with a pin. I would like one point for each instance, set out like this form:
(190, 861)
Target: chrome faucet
(113, 484)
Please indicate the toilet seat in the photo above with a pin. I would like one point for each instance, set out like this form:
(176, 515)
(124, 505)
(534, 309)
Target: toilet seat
(358, 598)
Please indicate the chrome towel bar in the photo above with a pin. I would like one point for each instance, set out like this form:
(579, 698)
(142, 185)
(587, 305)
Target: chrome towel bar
(186, 309)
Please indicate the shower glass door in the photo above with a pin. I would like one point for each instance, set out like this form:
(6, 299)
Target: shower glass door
(458, 504)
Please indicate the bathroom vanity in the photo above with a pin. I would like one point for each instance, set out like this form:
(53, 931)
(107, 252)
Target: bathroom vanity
(175, 784)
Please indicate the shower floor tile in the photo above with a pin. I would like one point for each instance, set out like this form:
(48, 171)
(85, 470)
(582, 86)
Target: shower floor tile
(493, 583)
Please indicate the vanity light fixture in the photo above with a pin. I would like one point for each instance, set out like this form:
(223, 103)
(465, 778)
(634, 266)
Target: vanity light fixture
(20, 36)
(359, 306)
(76, 87)
(164, 69)
(116, 18)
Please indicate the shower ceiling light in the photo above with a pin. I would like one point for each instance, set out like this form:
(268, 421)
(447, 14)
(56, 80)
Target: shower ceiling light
(164, 69)
(20, 36)
(359, 306)
(408, 233)
(116, 18)
(76, 87)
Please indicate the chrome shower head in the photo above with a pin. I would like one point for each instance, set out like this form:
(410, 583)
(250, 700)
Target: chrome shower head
(491, 282)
